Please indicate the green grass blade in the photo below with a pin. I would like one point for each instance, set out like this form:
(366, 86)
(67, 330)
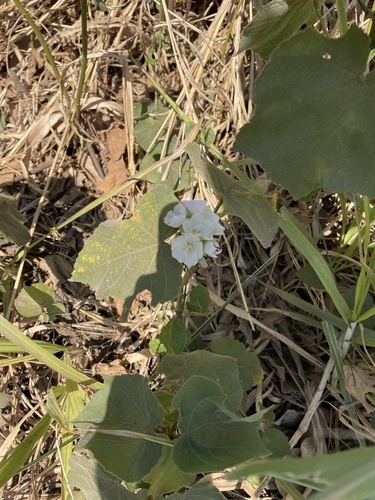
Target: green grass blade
(304, 244)
(336, 354)
(308, 308)
(47, 358)
(11, 466)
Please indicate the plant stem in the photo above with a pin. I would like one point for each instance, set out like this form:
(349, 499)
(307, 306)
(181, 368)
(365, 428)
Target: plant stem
(43, 43)
(181, 294)
(341, 14)
(82, 74)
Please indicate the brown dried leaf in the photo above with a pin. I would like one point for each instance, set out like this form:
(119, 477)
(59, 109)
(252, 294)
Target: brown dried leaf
(115, 141)
(359, 383)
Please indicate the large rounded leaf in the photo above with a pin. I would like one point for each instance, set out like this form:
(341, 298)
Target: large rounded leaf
(315, 115)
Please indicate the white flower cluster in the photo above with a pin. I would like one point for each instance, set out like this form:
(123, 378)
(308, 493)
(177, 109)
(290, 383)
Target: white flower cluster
(198, 226)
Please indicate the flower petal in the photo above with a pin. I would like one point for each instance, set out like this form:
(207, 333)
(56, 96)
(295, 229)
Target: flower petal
(195, 206)
(187, 249)
(175, 217)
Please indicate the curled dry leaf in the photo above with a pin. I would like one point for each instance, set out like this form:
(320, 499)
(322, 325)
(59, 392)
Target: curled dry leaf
(359, 383)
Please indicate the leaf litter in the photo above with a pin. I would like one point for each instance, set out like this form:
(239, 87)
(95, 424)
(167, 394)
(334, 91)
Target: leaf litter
(97, 155)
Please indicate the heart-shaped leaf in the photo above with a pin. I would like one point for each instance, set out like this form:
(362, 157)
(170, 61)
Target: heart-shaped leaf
(38, 300)
(223, 369)
(125, 403)
(123, 258)
(314, 115)
(249, 367)
(212, 438)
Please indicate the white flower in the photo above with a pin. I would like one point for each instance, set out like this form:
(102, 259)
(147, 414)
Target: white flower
(175, 217)
(210, 249)
(195, 206)
(199, 226)
(217, 229)
(187, 249)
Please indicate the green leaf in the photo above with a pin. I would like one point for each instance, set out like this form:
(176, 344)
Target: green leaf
(95, 482)
(151, 123)
(249, 367)
(275, 441)
(2, 120)
(149, 132)
(165, 476)
(165, 399)
(256, 210)
(99, 5)
(177, 174)
(156, 347)
(368, 306)
(306, 246)
(276, 22)
(124, 403)
(37, 299)
(212, 438)
(200, 491)
(11, 464)
(175, 336)
(199, 300)
(223, 369)
(345, 475)
(313, 115)
(309, 277)
(368, 337)
(123, 258)
(12, 221)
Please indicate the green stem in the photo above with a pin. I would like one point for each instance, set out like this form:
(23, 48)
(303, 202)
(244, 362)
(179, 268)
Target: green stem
(181, 294)
(82, 74)
(43, 43)
(341, 14)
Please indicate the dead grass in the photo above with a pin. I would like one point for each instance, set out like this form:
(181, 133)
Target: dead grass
(56, 165)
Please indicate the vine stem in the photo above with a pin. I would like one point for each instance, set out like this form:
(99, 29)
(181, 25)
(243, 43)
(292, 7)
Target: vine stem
(181, 294)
